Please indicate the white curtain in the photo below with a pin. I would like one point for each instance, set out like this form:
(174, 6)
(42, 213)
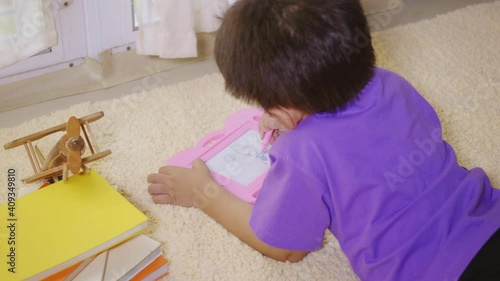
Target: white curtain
(167, 28)
(26, 28)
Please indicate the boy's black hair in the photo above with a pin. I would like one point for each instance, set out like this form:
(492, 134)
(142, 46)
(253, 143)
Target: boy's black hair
(312, 55)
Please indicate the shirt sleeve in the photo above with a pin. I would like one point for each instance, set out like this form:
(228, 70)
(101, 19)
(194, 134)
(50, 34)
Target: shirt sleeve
(290, 212)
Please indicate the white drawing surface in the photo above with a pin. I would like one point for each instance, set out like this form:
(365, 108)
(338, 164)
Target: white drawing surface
(242, 160)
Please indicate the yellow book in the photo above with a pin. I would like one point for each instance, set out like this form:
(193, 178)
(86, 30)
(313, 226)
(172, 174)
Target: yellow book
(62, 224)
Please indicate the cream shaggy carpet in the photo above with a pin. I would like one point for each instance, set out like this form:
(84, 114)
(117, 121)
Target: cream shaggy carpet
(453, 60)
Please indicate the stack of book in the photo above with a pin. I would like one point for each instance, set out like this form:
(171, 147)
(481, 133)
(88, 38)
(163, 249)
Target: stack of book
(82, 229)
(136, 259)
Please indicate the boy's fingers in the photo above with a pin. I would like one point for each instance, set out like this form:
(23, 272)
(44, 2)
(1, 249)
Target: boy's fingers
(199, 164)
(169, 170)
(262, 130)
(157, 178)
(162, 199)
(157, 188)
(264, 124)
(276, 134)
(268, 122)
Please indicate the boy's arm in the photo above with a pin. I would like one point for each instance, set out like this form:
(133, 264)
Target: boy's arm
(196, 187)
(234, 215)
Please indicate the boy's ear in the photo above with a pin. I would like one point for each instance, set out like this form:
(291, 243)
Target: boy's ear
(289, 117)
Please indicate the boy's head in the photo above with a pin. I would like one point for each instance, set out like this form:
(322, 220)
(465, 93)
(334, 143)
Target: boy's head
(312, 55)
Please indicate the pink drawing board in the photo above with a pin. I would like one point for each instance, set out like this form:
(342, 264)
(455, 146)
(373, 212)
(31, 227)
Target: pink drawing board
(233, 155)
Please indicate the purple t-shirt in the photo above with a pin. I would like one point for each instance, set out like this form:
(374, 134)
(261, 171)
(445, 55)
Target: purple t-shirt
(379, 176)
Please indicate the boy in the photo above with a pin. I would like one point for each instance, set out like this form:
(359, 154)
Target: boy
(357, 151)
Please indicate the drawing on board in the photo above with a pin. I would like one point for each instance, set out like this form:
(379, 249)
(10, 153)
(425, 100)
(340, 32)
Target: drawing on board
(242, 160)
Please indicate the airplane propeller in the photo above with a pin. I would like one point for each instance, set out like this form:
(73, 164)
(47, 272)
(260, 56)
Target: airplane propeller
(73, 144)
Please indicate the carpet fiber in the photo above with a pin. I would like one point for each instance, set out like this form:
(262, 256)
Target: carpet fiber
(453, 60)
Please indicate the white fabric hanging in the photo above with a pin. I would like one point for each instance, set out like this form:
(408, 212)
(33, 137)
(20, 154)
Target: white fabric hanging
(26, 28)
(167, 28)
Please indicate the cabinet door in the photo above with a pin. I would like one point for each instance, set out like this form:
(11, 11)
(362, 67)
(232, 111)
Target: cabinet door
(71, 43)
(85, 28)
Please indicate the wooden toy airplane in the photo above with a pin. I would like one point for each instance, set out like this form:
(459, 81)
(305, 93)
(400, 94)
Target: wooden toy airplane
(66, 153)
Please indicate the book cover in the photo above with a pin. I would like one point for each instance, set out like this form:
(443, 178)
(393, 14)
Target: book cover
(154, 271)
(53, 228)
(95, 270)
(70, 272)
(123, 261)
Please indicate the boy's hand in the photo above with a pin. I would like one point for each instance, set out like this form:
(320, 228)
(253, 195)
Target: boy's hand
(269, 122)
(177, 185)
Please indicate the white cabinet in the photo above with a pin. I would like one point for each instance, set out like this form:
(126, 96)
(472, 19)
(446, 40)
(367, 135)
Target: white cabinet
(85, 28)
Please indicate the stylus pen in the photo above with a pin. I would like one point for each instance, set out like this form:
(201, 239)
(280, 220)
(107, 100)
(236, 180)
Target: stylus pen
(267, 138)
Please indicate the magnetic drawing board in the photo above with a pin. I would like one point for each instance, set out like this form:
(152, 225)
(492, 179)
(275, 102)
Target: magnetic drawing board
(233, 155)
